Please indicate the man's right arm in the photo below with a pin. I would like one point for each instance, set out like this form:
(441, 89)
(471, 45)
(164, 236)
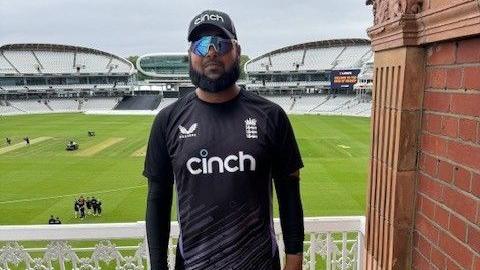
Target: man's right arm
(159, 172)
(159, 204)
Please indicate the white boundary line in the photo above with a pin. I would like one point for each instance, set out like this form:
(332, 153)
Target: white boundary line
(70, 195)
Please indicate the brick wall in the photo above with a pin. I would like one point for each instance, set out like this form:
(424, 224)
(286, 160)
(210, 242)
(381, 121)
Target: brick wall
(446, 232)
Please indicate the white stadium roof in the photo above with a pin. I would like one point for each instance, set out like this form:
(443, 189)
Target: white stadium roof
(314, 56)
(36, 59)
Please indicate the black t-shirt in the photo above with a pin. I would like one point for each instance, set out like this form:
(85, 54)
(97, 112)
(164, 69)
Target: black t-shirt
(222, 158)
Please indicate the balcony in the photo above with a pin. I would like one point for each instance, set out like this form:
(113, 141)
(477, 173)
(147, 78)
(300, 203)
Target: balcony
(330, 243)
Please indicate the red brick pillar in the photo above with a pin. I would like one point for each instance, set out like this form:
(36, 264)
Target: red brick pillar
(423, 198)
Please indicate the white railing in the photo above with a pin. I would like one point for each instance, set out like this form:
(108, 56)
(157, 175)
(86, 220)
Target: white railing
(335, 242)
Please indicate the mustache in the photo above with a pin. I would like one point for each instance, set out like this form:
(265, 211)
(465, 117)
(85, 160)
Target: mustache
(207, 63)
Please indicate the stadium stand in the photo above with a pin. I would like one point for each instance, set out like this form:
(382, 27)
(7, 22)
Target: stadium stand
(284, 101)
(64, 105)
(365, 80)
(46, 78)
(91, 63)
(5, 66)
(286, 61)
(320, 59)
(24, 61)
(147, 102)
(306, 66)
(56, 62)
(305, 104)
(357, 109)
(352, 57)
(47, 70)
(300, 77)
(332, 104)
(58, 105)
(6, 110)
(31, 106)
(99, 103)
(165, 102)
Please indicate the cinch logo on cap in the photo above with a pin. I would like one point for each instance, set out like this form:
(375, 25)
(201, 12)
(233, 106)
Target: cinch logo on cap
(231, 163)
(206, 17)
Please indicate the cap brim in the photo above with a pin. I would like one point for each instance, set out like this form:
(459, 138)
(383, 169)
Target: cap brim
(196, 31)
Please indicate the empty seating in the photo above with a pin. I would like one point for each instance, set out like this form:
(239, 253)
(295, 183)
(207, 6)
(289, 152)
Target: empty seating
(262, 64)
(305, 104)
(24, 61)
(284, 101)
(30, 106)
(165, 102)
(286, 61)
(147, 102)
(4, 110)
(321, 58)
(56, 62)
(91, 63)
(333, 104)
(119, 67)
(63, 105)
(5, 67)
(100, 104)
(352, 57)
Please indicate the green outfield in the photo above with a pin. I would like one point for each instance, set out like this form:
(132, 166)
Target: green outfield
(43, 179)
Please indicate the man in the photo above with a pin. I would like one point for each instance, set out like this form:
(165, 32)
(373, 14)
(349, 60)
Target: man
(222, 145)
(57, 221)
(99, 208)
(76, 208)
(94, 206)
(81, 207)
(51, 220)
(89, 206)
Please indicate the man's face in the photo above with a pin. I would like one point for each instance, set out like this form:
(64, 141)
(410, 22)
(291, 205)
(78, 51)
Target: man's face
(214, 65)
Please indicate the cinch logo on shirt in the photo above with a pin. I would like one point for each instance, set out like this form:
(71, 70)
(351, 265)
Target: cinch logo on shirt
(211, 17)
(231, 163)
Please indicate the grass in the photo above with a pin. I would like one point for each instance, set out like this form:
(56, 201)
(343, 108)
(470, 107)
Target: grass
(43, 179)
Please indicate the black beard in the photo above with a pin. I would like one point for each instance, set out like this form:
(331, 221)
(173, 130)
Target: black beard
(227, 79)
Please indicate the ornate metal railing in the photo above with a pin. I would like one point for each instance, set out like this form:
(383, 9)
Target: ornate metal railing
(330, 243)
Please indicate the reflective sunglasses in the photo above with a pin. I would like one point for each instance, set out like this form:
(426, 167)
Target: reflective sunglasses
(222, 46)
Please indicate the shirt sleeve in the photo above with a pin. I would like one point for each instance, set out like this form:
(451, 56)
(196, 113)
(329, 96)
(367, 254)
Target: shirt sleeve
(286, 155)
(158, 166)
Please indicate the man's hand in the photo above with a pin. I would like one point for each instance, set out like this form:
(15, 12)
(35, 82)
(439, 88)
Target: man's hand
(293, 262)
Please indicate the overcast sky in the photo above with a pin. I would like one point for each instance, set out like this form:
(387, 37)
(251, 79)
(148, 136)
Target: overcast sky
(127, 27)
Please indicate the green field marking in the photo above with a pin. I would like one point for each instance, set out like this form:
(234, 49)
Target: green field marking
(92, 150)
(344, 146)
(19, 145)
(140, 152)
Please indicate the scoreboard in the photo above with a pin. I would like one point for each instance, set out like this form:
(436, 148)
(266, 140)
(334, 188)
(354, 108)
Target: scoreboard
(343, 79)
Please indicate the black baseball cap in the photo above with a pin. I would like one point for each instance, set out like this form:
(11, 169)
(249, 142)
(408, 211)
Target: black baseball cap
(215, 18)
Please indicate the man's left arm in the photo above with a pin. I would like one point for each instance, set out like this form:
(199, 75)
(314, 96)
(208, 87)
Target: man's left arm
(291, 218)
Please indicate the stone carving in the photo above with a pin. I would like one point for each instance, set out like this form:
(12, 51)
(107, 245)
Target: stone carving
(384, 10)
